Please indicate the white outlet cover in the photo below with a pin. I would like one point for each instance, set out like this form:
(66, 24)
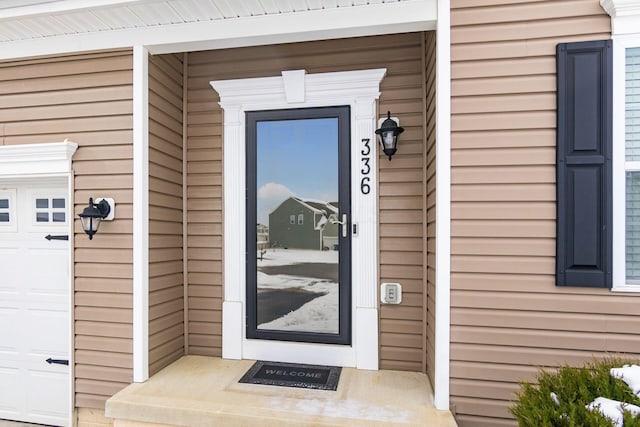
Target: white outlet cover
(385, 288)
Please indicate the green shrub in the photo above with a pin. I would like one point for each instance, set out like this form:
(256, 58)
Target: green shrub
(575, 388)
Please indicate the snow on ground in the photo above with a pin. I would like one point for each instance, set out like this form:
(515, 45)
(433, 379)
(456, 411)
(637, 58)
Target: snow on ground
(283, 281)
(318, 315)
(281, 256)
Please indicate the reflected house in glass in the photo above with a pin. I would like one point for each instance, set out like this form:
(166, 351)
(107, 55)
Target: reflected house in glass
(262, 234)
(302, 224)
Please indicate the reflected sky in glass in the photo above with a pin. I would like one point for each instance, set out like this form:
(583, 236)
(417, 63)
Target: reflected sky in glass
(296, 158)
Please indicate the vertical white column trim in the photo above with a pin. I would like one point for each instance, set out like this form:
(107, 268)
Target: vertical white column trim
(185, 203)
(234, 212)
(140, 214)
(364, 263)
(365, 207)
(619, 190)
(72, 287)
(443, 206)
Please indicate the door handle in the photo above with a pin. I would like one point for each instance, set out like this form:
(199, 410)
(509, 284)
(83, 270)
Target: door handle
(62, 237)
(343, 223)
(57, 361)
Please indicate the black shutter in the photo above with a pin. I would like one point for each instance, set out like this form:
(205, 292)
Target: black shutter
(584, 175)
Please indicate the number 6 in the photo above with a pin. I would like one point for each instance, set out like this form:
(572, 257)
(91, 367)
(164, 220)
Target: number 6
(365, 188)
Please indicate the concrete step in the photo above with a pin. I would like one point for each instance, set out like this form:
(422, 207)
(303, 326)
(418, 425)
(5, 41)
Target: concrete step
(204, 391)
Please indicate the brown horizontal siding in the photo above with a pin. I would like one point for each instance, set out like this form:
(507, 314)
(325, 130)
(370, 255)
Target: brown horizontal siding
(166, 284)
(402, 225)
(507, 315)
(86, 99)
(430, 203)
(402, 343)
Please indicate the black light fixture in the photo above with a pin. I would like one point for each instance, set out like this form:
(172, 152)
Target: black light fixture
(388, 135)
(93, 214)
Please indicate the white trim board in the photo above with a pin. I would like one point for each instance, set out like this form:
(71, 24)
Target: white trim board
(443, 208)
(321, 24)
(140, 214)
(359, 90)
(625, 15)
(36, 159)
(618, 159)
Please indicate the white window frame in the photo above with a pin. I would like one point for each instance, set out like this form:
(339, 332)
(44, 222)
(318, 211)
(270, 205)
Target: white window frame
(300, 219)
(619, 164)
(292, 219)
(48, 195)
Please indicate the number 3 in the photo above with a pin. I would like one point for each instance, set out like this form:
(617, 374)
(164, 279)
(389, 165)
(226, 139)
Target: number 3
(366, 145)
(365, 160)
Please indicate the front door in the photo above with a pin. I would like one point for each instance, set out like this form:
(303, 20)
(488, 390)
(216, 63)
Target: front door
(298, 225)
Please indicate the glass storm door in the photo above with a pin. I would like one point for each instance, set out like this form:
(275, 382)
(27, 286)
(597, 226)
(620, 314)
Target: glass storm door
(298, 225)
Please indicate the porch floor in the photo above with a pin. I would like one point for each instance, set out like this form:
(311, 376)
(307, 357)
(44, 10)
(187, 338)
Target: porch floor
(204, 391)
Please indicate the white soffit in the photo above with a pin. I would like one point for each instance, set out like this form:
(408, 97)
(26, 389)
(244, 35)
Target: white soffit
(625, 15)
(43, 27)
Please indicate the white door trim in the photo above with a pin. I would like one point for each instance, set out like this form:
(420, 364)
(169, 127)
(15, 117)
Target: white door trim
(296, 89)
(24, 163)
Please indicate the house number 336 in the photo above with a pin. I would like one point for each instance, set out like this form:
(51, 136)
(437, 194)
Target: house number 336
(365, 187)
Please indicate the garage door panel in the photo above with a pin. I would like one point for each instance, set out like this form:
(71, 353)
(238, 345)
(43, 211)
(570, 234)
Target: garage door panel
(9, 341)
(44, 327)
(10, 396)
(43, 302)
(10, 256)
(47, 391)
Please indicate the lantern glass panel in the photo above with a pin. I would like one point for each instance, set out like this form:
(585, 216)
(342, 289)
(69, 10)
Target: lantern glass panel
(388, 139)
(90, 223)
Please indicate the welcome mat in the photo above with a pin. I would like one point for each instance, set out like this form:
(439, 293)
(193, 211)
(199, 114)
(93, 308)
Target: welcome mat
(293, 375)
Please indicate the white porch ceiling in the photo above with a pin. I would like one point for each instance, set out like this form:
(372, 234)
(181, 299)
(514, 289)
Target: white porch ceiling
(38, 27)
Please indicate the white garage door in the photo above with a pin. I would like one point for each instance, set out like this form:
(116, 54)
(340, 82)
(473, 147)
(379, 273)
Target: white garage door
(34, 303)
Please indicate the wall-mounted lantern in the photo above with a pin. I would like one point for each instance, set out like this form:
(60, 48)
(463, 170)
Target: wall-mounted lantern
(388, 135)
(92, 215)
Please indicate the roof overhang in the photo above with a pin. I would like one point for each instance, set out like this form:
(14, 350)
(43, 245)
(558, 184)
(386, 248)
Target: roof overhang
(46, 27)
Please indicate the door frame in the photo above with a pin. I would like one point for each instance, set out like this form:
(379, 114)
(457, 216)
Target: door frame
(342, 115)
(296, 89)
(31, 163)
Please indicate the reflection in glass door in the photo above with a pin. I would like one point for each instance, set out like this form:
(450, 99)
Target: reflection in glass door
(298, 213)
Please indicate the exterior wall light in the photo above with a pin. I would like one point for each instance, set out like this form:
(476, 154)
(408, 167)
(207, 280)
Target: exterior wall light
(388, 135)
(92, 215)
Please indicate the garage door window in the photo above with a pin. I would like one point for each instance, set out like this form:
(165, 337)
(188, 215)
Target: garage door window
(4, 210)
(7, 209)
(50, 210)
